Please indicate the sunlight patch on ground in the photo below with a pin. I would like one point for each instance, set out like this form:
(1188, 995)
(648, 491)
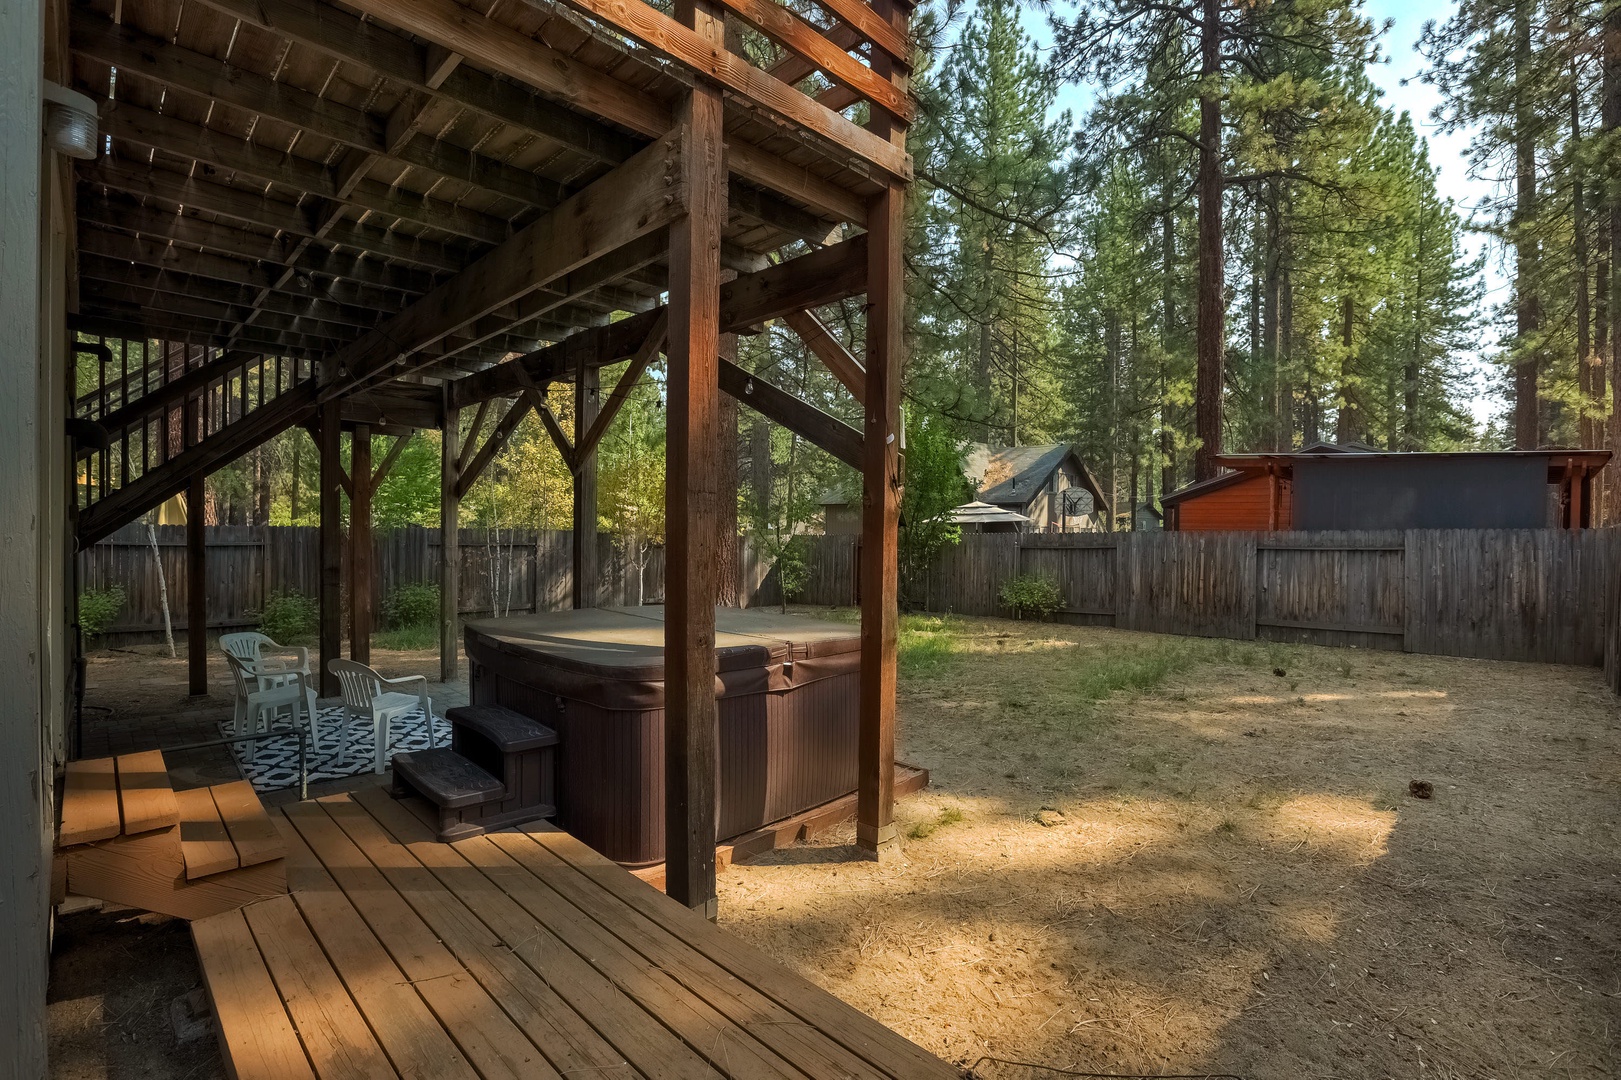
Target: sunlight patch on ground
(1341, 826)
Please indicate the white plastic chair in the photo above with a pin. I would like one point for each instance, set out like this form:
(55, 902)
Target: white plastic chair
(258, 706)
(366, 697)
(250, 647)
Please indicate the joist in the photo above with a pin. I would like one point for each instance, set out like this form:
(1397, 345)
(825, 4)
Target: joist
(145, 795)
(821, 277)
(638, 198)
(342, 318)
(667, 37)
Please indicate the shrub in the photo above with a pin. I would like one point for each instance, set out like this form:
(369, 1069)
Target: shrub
(412, 606)
(98, 608)
(290, 618)
(793, 573)
(1030, 593)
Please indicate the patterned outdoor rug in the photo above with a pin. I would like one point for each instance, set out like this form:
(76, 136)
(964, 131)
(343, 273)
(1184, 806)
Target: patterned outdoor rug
(345, 749)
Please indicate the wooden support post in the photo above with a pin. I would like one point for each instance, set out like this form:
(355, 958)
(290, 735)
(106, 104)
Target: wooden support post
(331, 633)
(692, 493)
(587, 382)
(881, 492)
(361, 604)
(196, 589)
(450, 553)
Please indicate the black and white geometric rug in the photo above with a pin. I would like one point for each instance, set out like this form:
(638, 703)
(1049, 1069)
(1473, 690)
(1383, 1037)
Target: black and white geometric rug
(344, 749)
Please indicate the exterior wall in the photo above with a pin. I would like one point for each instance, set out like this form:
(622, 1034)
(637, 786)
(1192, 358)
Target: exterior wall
(1496, 492)
(841, 520)
(33, 260)
(1241, 507)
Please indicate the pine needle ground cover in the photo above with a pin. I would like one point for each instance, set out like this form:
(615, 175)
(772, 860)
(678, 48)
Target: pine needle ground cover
(1153, 854)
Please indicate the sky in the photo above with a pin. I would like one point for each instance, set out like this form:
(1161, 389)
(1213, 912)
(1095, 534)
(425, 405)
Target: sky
(1399, 78)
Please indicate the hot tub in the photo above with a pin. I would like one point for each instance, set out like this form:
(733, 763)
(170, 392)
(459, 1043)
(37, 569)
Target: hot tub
(788, 691)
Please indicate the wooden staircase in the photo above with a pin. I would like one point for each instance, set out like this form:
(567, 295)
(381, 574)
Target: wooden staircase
(127, 837)
(189, 411)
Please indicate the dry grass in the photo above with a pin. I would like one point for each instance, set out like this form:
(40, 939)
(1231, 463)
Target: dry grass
(1239, 881)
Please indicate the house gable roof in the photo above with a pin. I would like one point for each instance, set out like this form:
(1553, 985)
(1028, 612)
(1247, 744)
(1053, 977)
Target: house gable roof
(1016, 474)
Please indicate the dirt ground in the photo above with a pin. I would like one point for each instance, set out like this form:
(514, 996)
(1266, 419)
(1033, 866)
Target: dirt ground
(1230, 875)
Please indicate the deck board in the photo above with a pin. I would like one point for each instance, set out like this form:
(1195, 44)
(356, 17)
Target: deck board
(144, 793)
(519, 953)
(89, 802)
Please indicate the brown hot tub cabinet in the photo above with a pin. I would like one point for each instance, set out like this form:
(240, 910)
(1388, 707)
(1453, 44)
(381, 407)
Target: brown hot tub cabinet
(787, 688)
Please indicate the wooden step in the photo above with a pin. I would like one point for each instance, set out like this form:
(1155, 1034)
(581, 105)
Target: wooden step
(90, 802)
(144, 793)
(252, 833)
(446, 778)
(205, 844)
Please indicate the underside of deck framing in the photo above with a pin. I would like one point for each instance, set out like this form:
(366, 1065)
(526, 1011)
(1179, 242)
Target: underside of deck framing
(516, 954)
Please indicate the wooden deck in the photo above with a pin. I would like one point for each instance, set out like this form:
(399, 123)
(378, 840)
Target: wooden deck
(517, 954)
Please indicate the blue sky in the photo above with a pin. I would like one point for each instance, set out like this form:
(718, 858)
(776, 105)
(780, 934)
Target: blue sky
(1399, 78)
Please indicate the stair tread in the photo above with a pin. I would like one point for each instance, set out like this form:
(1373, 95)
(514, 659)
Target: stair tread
(511, 731)
(89, 802)
(252, 832)
(144, 792)
(447, 779)
(205, 843)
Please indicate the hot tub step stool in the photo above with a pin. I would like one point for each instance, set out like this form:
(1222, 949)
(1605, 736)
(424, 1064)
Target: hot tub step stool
(497, 771)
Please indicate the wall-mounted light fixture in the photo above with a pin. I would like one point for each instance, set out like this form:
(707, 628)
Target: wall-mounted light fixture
(70, 122)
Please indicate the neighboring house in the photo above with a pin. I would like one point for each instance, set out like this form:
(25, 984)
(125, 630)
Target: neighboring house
(1050, 485)
(1352, 486)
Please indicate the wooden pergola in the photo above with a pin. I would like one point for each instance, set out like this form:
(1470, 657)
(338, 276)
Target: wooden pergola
(380, 215)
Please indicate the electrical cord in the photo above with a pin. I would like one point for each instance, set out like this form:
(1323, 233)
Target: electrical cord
(1106, 1076)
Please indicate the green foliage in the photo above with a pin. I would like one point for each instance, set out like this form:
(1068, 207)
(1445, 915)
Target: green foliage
(951, 815)
(407, 638)
(934, 487)
(409, 495)
(412, 605)
(927, 644)
(1031, 594)
(98, 608)
(290, 618)
(791, 569)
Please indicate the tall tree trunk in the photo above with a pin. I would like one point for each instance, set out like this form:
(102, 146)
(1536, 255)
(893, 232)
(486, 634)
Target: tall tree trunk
(1167, 254)
(1212, 270)
(1412, 438)
(1269, 319)
(1592, 401)
(728, 580)
(1350, 418)
(1527, 308)
(1611, 289)
(982, 369)
(760, 466)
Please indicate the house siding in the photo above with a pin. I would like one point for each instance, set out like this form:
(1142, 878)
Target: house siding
(1244, 506)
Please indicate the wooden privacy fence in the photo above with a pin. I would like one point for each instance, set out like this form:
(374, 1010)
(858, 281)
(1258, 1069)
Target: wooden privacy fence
(513, 570)
(1542, 595)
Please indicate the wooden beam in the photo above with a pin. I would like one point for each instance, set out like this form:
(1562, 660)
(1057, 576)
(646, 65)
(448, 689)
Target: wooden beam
(638, 198)
(859, 17)
(830, 433)
(381, 472)
(173, 66)
(692, 497)
(450, 558)
(336, 276)
(361, 604)
(710, 59)
(271, 213)
(470, 443)
(881, 494)
(589, 91)
(466, 478)
(797, 35)
(650, 348)
(830, 350)
(820, 277)
(196, 588)
(331, 546)
(583, 537)
(210, 147)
